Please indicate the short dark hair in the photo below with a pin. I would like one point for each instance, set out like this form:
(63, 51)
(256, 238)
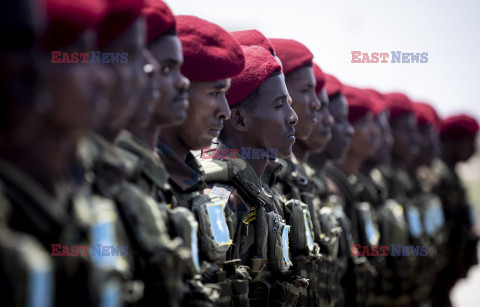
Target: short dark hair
(168, 32)
(249, 103)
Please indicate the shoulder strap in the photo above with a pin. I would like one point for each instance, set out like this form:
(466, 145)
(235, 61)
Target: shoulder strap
(241, 175)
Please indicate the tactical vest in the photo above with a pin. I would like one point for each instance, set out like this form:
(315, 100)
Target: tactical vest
(24, 279)
(411, 276)
(393, 229)
(51, 221)
(462, 244)
(354, 270)
(335, 235)
(153, 179)
(302, 195)
(112, 279)
(361, 219)
(158, 262)
(266, 249)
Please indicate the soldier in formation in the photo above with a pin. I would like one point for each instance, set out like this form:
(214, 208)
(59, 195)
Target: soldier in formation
(151, 159)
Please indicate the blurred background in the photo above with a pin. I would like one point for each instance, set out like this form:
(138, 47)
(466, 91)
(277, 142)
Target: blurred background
(448, 30)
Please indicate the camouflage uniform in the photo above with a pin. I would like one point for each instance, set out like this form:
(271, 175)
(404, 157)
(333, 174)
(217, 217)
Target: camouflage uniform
(156, 261)
(152, 175)
(404, 189)
(433, 220)
(259, 234)
(389, 285)
(461, 246)
(68, 220)
(187, 182)
(359, 223)
(290, 180)
(23, 278)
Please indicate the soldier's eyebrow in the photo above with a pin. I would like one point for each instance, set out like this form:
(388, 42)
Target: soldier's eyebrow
(281, 97)
(219, 86)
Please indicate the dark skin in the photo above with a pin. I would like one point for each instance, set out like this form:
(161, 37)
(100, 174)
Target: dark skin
(429, 145)
(150, 96)
(58, 117)
(342, 132)
(365, 143)
(321, 134)
(458, 150)
(386, 138)
(71, 90)
(131, 79)
(205, 115)
(301, 87)
(272, 115)
(171, 109)
(406, 141)
(383, 154)
(149, 101)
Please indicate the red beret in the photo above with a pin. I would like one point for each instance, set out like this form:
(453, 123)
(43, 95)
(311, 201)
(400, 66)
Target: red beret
(332, 85)
(320, 77)
(458, 126)
(259, 66)
(120, 16)
(426, 114)
(359, 103)
(377, 100)
(159, 19)
(398, 104)
(293, 54)
(253, 37)
(210, 53)
(67, 20)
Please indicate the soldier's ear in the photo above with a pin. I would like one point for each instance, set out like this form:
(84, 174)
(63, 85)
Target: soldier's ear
(237, 119)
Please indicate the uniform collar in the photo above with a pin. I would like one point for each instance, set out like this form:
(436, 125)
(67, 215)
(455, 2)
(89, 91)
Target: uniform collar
(188, 175)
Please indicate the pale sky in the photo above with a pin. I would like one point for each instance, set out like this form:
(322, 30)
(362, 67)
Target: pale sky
(448, 30)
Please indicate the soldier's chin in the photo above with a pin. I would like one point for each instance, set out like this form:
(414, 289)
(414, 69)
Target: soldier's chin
(303, 134)
(285, 152)
(179, 117)
(200, 143)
